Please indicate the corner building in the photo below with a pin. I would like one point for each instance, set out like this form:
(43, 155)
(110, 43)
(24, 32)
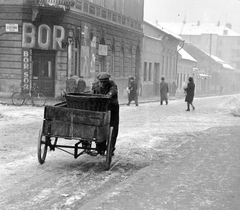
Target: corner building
(45, 42)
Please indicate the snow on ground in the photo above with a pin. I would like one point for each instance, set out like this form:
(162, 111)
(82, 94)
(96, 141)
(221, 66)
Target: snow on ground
(147, 133)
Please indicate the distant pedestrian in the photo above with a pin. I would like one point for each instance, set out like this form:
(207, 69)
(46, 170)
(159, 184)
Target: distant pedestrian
(174, 88)
(133, 95)
(221, 89)
(190, 93)
(81, 86)
(163, 91)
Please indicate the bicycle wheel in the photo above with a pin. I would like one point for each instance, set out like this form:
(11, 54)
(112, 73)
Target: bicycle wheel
(39, 100)
(18, 99)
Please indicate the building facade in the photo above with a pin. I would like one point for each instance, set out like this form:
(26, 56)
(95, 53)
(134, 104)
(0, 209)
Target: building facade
(159, 59)
(215, 39)
(211, 73)
(46, 42)
(186, 68)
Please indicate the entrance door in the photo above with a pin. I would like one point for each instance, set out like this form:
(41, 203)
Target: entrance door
(156, 79)
(43, 72)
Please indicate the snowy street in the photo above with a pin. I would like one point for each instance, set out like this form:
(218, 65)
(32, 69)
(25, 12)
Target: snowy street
(148, 134)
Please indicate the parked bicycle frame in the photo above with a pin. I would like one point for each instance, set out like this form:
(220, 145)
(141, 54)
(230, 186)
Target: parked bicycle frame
(37, 99)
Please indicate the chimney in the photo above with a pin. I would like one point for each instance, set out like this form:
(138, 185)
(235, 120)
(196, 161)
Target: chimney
(218, 23)
(229, 25)
(156, 22)
(198, 23)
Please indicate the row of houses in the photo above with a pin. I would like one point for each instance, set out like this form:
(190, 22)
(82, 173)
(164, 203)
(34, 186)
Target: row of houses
(46, 42)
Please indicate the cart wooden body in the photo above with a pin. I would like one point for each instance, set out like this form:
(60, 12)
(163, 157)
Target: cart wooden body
(84, 126)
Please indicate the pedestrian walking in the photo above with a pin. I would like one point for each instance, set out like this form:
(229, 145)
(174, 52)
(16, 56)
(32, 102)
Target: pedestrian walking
(81, 86)
(108, 87)
(163, 91)
(133, 95)
(190, 93)
(174, 88)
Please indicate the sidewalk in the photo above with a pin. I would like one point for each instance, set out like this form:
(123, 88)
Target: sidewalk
(122, 101)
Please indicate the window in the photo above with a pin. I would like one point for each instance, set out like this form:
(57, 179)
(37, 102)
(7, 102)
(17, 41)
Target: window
(122, 62)
(130, 60)
(163, 65)
(113, 61)
(145, 72)
(76, 59)
(150, 72)
(167, 71)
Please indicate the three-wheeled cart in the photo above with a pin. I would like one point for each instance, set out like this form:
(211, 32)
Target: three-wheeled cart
(84, 118)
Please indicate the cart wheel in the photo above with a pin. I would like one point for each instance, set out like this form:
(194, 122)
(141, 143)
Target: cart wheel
(109, 150)
(42, 147)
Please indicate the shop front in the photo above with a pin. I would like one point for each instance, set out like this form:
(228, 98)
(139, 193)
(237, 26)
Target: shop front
(55, 42)
(40, 42)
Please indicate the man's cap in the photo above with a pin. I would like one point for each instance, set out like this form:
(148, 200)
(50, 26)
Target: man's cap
(162, 78)
(103, 76)
(80, 76)
(131, 78)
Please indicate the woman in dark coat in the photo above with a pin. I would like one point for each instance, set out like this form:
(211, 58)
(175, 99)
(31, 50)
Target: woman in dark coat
(190, 93)
(133, 96)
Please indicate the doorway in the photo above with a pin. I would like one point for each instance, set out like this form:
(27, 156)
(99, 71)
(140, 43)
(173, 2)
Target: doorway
(43, 71)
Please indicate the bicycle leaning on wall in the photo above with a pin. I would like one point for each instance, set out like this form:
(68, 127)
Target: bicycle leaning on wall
(37, 99)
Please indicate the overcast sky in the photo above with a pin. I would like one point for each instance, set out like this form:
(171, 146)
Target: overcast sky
(212, 11)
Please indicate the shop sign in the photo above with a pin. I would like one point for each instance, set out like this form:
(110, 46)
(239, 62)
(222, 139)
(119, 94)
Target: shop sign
(42, 36)
(102, 50)
(25, 70)
(11, 27)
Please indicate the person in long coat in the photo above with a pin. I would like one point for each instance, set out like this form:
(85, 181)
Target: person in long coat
(108, 87)
(190, 93)
(163, 91)
(133, 95)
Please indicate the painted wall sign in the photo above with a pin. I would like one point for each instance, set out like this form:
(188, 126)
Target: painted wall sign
(42, 37)
(25, 70)
(11, 27)
(102, 50)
